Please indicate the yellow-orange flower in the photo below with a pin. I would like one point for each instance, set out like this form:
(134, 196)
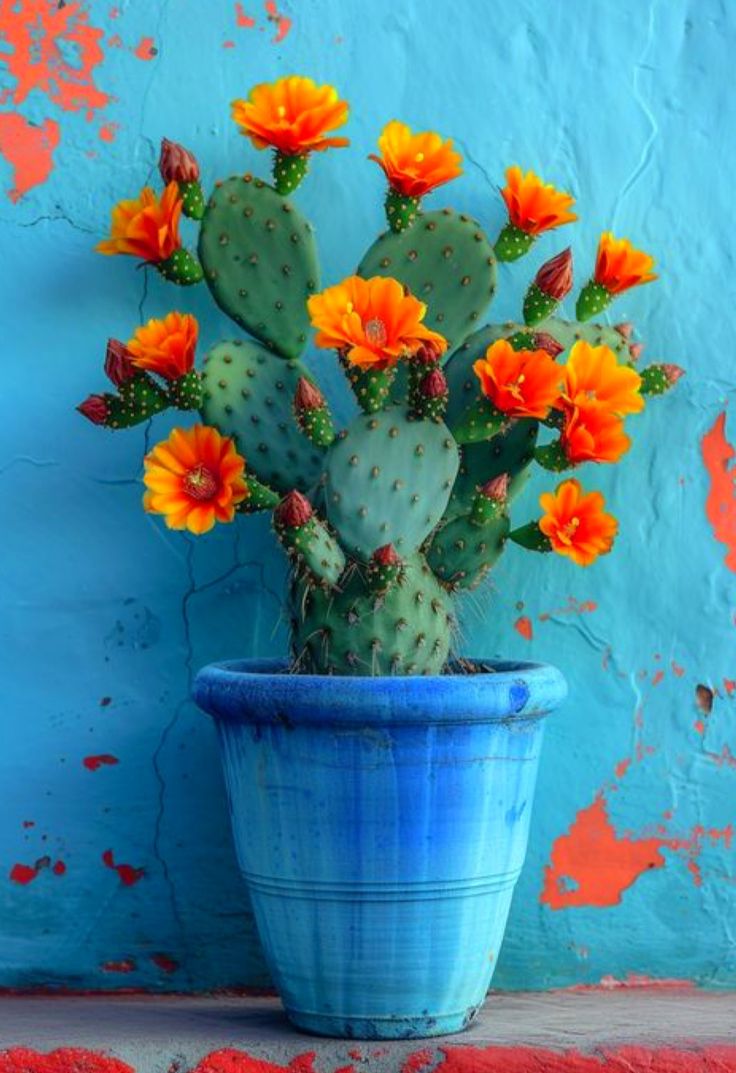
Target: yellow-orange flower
(166, 346)
(620, 266)
(520, 383)
(372, 321)
(592, 434)
(292, 115)
(416, 163)
(195, 478)
(576, 524)
(592, 374)
(146, 226)
(535, 206)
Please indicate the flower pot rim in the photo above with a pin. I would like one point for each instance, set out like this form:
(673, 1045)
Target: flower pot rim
(260, 691)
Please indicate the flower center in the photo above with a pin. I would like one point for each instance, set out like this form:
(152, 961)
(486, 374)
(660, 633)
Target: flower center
(419, 158)
(567, 532)
(200, 483)
(515, 386)
(375, 332)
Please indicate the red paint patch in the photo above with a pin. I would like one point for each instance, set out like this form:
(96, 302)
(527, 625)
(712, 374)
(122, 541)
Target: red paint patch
(631, 1059)
(164, 962)
(108, 132)
(128, 875)
(573, 607)
(622, 767)
(523, 625)
(724, 758)
(64, 1060)
(418, 1061)
(146, 49)
(677, 670)
(23, 874)
(228, 44)
(125, 966)
(229, 1060)
(657, 678)
(94, 763)
(591, 865)
(282, 23)
(729, 685)
(720, 505)
(29, 149)
(242, 19)
(59, 868)
(699, 726)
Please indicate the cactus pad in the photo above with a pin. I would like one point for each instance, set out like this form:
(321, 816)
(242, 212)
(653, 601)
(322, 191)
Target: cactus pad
(260, 262)
(407, 630)
(446, 261)
(248, 394)
(388, 481)
(462, 552)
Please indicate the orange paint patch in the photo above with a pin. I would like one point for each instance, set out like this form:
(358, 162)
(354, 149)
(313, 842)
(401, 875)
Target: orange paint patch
(729, 685)
(677, 670)
(657, 678)
(28, 149)
(573, 607)
(145, 49)
(720, 505)
(242, 19)
(523, 625)
(228, 44)
(282, 22)
(591, 865)
(108, 132)
(622, 767)
(699, 726)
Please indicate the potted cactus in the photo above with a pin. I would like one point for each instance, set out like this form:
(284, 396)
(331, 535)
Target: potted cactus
(380, 781)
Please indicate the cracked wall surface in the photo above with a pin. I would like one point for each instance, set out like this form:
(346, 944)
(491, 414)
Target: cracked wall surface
(116, 868)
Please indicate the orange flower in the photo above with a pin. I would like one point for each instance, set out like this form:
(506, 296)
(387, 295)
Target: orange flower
(195, 478)
(535, 206)
(619, 266)
(592, 434)
(146, 226)
(292, 115)
(592, 374)
(520, 383)
(416, 163)
(373, 321)
(167, 346)
(576, 524)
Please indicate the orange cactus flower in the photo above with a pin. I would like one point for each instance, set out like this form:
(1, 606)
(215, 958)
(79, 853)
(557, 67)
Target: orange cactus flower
(592, 434)
(146, 226)
(166, 347)
(416, 163)
(576, 524)
(535, 206)
(519, 383)
(620, 266)
(194, 479)
(592, 374)
(372, 321)
(292, 115)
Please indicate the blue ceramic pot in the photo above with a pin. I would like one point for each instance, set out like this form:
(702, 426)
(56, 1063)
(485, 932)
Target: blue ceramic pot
(380, 824)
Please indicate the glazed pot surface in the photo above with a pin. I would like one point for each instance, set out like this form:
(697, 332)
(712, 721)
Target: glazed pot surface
(380, 824)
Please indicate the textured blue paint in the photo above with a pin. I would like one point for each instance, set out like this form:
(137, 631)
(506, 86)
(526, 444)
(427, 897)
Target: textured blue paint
(381, 824)
(630, 105)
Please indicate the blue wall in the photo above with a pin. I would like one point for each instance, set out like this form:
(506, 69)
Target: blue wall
(106, 615)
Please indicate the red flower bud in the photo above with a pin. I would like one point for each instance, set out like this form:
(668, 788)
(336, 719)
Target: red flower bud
(544, 341)
(177, 164)
(293, 510)
(429, 352)
(554, 278)
(308, 396)
(635, 350)
(672, 372)
(386, 555)
(119, 365)
(94, 409)
(433, 385)
(625, 328)
(497, 488)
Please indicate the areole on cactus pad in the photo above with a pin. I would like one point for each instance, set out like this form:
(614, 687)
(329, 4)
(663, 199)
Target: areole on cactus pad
(385, 520)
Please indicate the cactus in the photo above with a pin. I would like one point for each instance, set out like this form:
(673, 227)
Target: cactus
(248, 394)
(446, 260)
(385, 520)
(260, 262)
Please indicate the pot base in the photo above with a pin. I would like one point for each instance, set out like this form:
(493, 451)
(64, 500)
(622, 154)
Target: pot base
(398, 1027)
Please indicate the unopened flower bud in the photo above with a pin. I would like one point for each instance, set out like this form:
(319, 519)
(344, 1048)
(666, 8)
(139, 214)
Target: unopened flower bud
(545, 341)
(293, 510)
(434, 384)
(497, 488)
(636, 350)
(119, 365)
(95, 409)
(386, 555)
(625, 328)
(308, 396)
(672, 372)
(177, 164)
(554, 278)
(430, 352)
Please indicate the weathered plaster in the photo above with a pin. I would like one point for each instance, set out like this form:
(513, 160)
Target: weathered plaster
(116, 868)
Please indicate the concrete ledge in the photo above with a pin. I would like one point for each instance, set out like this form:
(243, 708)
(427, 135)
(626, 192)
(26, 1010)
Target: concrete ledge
(657, 1029)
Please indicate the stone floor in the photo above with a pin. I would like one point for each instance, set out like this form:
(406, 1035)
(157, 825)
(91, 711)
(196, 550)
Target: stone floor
(628, 1029)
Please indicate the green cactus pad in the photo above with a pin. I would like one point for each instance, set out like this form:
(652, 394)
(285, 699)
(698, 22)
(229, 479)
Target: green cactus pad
(462, 553)
(182, 268)
(531, 537)
(352, 631)
(513, 243)
(313, 550)
(248, 394)
(288, 171)
(260, 497)
(538, 305)
(401, 210)
(192, 196)
(592, 300)
(510, 452)
(446, 261)
(186, 392)
(138, 399)
(388, 481)
(260, 262)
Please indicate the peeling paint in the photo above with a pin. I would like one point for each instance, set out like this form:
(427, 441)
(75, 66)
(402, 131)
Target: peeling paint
(94, 763)
(129, 875)
(233, 1061)
(720, 506)
(146, 49)
(29, 149)
(63, 1060)
(523, 626)
(633, 1059)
